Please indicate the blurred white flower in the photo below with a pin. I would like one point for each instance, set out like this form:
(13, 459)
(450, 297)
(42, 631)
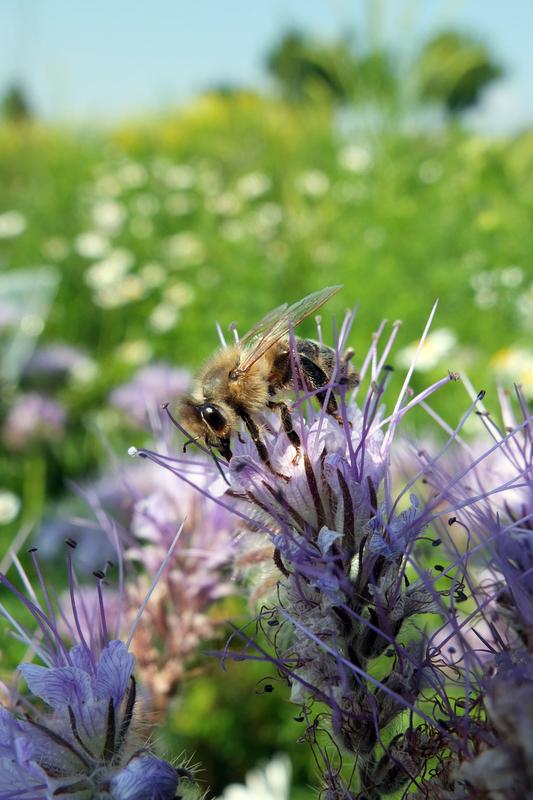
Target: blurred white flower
(152, 275)
(130, 288)
(185, 248)
(179, 204)
(132, 175)
(9, 506)
(163, 318)
(253, 184)
(271, 783)
(355, 158)
(124, 291)
(263, 222)
(109, 271)
(226, 204)
(108, 215)
(209, 181)
(515, 365)
(179, 176)
(524, 307)
(481, 281)
(438, 346)
(32, 324)
(270, 214)
(313, 183)
(145, 204)
(108, 185)
(430, 171)
(91, 244)
(136, 351)
(179, 294)
(485, 298)
(511, 277)
(56, 248)
(12, 223)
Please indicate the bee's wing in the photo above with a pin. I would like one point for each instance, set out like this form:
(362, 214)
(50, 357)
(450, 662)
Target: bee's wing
(264, 325)
(278, 324)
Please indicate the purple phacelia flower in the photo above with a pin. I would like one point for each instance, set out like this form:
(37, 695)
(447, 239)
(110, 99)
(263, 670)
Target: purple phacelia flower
(32, 420)
(152, 386)
(78, 737)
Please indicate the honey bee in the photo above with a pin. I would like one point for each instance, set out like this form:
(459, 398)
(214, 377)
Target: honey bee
(243, 379)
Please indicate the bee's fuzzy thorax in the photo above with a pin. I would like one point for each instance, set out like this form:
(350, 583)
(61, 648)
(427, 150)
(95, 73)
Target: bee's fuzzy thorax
(249, 391)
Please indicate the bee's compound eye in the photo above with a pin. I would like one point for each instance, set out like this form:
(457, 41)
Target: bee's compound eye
(213, 418)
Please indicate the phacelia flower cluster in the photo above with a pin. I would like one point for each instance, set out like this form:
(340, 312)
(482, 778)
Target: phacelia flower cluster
(76, 734)
(357, 581)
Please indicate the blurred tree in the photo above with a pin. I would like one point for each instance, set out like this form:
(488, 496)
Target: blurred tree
(453, 69)
(304, 68)
(307, 69)
(15, 106)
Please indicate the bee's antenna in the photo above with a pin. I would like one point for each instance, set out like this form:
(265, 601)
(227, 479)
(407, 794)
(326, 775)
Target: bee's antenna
(233, 329)
(217, 462)
(220, 334)
(181, 429)
(192, 440)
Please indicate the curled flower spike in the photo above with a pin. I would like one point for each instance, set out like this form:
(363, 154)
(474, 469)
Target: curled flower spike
(81, 740)
(350, 593)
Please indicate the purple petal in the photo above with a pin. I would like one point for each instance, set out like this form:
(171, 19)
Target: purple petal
(58, 686)
(145, 778)
(113, 672)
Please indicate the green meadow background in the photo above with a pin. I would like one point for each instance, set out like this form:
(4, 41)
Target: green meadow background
(130, 242)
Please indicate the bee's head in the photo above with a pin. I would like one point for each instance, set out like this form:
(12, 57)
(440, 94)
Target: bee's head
(210, 421)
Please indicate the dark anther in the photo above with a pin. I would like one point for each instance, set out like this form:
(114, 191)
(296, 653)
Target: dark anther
(481, 394)
(164, 406)
(128, 714)
(372, 492)
(268, 688)
(99, 574)
(71, 543)
(436, 542)
(273, 623)
(184, 773)
(460, 596)
(278, 561)
(452, 520)
(439, 568)
(109, 745)
(32, 550)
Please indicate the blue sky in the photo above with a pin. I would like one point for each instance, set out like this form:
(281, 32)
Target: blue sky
(105, 59)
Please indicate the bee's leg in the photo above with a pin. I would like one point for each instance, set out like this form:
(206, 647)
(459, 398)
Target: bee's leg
(315, 377)
(286, 421)
(262, 451)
